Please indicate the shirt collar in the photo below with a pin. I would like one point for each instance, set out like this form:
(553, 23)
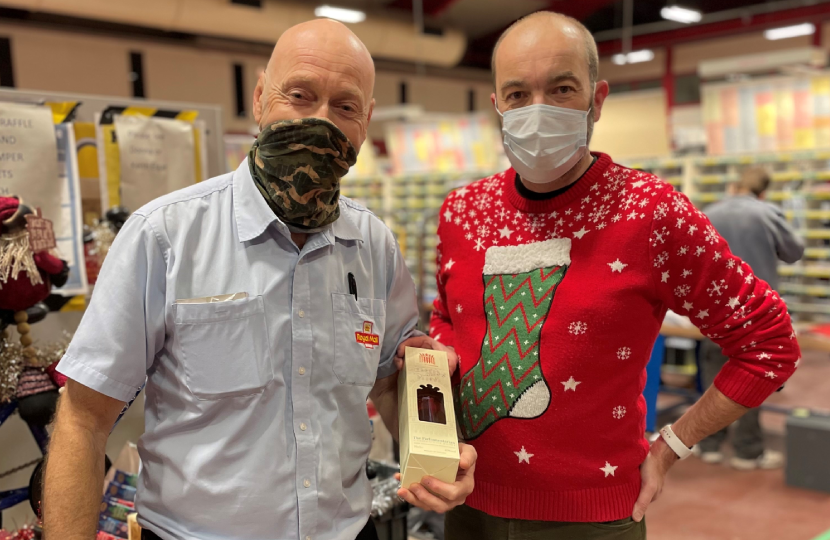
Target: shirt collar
(253, 215)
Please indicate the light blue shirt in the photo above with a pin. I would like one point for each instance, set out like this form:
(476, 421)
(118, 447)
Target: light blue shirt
(255, 409)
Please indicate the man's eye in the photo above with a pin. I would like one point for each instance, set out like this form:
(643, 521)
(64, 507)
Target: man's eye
(563, 90)
(515, 95)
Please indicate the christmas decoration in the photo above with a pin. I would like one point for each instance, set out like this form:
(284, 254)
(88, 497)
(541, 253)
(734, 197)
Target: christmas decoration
(99, 238)
(507, 381)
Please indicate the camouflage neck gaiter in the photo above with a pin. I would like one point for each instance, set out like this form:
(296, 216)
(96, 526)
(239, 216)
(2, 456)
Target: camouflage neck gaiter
(297, 166)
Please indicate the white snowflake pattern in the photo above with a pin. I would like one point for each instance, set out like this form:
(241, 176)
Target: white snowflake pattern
(483, 202)
(577, 328)
(717, 288)
(661, 259)
(459, 308)
(619, 412)
(683, 250)
(659, 237)
(712, 235)
(459, 205)
(679, 204)
(661, 211)
(700, 250)
(624, 353)
(680, 222)
(599, 213)
(682, 291)
(483, 231)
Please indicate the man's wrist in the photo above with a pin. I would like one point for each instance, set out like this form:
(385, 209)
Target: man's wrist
(664, 453)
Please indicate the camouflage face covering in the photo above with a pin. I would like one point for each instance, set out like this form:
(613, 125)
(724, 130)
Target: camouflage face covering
(297, 166)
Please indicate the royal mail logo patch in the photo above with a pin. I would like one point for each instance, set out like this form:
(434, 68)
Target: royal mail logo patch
(367, 338)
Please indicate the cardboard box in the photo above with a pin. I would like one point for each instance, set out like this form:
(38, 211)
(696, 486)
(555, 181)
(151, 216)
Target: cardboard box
(426, 418)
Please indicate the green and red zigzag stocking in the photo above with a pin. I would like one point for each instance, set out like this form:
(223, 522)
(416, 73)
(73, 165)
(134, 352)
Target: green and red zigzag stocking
(507, 382)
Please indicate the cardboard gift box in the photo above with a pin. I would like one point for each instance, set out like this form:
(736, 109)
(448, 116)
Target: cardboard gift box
(426, 418)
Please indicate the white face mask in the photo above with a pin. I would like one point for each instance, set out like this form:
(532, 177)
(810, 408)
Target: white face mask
(544, 142)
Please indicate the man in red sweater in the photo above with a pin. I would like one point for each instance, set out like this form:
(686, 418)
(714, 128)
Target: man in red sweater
(554, 277)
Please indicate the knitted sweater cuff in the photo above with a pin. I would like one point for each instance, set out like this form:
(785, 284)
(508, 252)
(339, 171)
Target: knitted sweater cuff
(743, 387)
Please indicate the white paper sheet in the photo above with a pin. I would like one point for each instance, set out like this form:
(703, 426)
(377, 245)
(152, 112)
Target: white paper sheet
(157, 157)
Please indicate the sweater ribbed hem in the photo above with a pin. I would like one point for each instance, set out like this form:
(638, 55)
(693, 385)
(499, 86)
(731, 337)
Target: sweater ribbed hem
(582, 506)
(591, 177)
(743, 387)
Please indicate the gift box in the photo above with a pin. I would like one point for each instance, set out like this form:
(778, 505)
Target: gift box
(428, 437)
(120, 491)
(126, 479)
(113, 527)
(112, 508)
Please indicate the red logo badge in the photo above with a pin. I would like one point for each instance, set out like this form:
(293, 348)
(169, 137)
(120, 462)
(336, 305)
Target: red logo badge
(367, 338)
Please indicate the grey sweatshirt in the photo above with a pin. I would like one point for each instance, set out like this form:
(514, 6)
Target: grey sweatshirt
(758, 233)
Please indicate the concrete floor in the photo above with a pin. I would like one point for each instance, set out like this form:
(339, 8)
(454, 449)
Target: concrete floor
(715, 502)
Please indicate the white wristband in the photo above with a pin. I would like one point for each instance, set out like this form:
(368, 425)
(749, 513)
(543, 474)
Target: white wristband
(675, 443)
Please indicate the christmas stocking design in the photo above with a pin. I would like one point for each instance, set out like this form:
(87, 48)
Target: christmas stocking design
(507, 381)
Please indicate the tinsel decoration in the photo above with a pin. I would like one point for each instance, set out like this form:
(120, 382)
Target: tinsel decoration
(16, 257)
(12, 363)
(102, 239)
(385, 496)
(27, 532)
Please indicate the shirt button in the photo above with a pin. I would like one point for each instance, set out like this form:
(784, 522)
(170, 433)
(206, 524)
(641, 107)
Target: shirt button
(301, 371)
(307, 482)
(307, 538)
(302, 313)
(303, 427)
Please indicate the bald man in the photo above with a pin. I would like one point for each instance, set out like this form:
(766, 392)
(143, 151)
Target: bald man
(554, 278)
(238, 300)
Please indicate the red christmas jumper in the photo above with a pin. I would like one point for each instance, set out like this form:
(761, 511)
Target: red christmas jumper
(553, 307)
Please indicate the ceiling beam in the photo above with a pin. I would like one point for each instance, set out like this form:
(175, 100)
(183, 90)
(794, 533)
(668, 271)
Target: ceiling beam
(432, 8)
(753, 23)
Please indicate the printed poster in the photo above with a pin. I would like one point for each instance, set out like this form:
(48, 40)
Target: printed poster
(28, 159)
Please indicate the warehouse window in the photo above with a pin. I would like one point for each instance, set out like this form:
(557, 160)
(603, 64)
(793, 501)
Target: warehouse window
(6, 72)
(239, 89)
(403, 91)
(137, 74)
(686, 89)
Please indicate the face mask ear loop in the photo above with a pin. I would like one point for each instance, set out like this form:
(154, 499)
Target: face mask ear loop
(496, 106)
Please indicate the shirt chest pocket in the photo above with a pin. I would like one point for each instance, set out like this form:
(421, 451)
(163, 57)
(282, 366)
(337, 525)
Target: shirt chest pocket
(224, 347)
(358, 334)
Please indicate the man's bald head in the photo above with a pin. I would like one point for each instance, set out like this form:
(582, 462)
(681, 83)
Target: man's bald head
(549, 21)
(325, 35)
(319, 69)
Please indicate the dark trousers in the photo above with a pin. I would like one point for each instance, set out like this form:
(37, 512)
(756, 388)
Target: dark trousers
(368, 533)
(747, 437)
(465, 523)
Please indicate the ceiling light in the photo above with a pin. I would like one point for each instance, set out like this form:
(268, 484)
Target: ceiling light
(681, 14)
(805, 29)
(340, 14)
(634, 57)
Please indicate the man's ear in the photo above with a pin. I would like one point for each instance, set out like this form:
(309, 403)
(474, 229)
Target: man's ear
(600, 94)
(371, 111)
(257, 102)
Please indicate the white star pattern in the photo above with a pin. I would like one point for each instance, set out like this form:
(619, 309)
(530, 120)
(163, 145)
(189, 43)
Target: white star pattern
(665, 278)
(764, 356)
(688, 306)
(505, 232)
(580, 233)
(459, 308)
(571, 384)
(449, 265)
(617, 266)
(734, 302)
(609, 469)
(523, 455)
(771, 375)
